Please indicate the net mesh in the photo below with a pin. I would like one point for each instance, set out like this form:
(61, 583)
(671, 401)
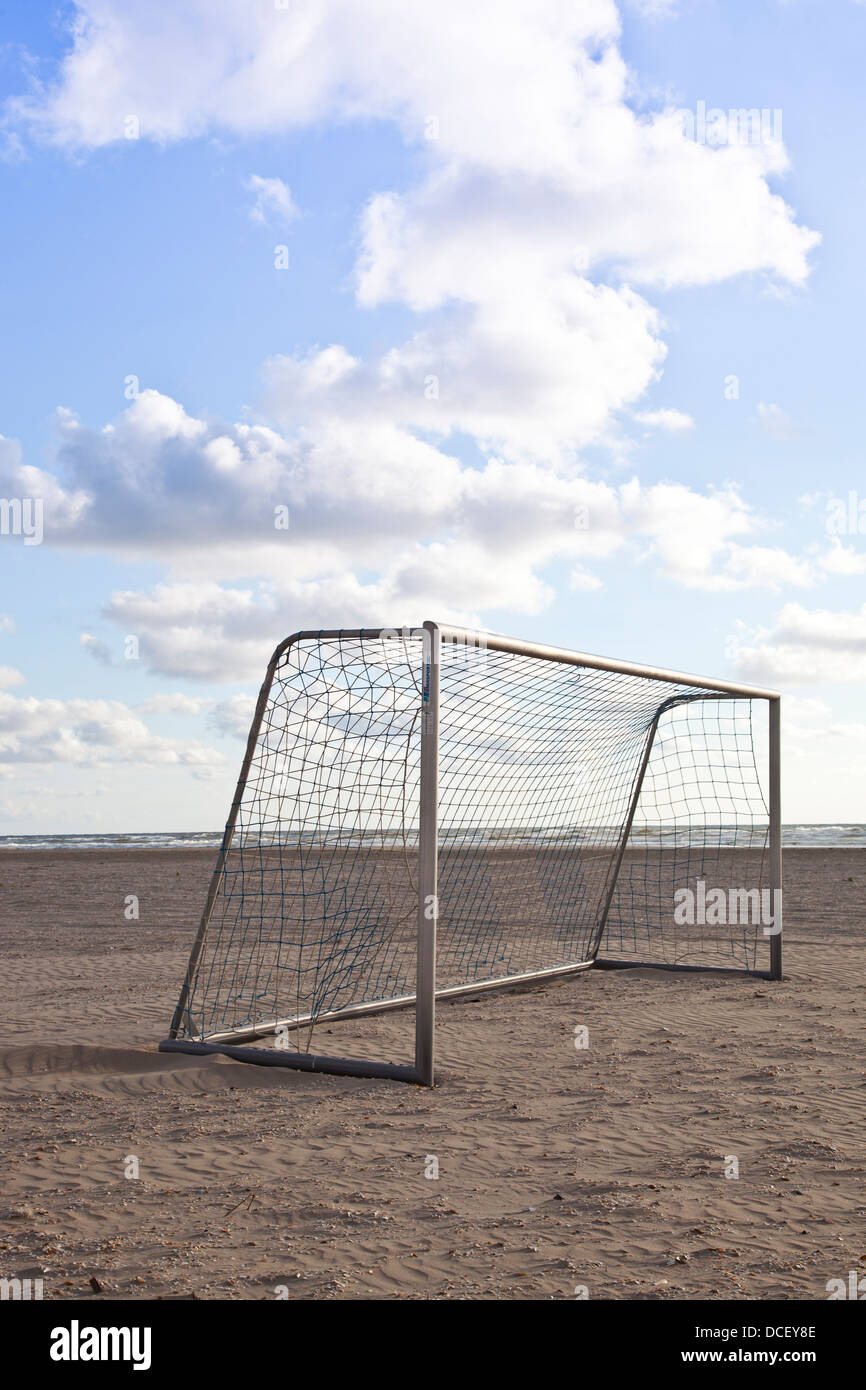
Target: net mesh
(315, 906)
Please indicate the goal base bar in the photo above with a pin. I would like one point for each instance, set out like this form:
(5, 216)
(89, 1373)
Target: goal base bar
(298, 1061)
(606, 963)
(394, 1071)
(382, 1006)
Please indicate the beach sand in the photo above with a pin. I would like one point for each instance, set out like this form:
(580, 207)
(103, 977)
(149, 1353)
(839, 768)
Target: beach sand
(559, 1168)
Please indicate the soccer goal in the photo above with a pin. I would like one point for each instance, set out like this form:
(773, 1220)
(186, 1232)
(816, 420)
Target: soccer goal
(429, 812)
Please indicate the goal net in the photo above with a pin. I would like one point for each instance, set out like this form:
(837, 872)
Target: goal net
(570, 811)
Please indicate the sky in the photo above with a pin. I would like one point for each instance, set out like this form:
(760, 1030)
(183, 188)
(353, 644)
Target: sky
(319, 313)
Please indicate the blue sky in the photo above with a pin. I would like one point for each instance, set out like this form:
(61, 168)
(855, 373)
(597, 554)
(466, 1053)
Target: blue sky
(579, 276)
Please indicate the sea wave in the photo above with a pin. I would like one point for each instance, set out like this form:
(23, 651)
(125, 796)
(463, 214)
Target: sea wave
(794, 836)
(194, 839)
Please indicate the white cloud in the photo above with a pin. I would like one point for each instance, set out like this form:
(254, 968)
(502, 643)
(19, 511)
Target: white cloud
(356, 491)
(535, 372)
(768, 567)
(844, 560)
(532, 88)
(655, 9)
(691, 535)
(177, 626)
(803, 719)
(808, 501)
(509, 522)
(536, 153)
(192, 705)
(10, 677)
(775, 422)
(17, 479)
(234, 715)
(211, 632)
(186, 69)
(823, 630)
(91, 732)
(673, 421)
(580, 581)
(429, 534)
(536, 150)
(807, 647)
(541, 206)
(825, 760)
(99, 650)
(273, 202)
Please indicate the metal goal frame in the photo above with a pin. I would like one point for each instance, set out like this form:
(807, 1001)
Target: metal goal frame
(422, 1071)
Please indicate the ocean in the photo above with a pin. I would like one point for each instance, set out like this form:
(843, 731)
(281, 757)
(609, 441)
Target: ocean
(793, 837)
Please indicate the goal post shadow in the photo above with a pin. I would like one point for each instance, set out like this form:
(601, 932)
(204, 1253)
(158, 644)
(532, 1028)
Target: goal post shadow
(236, 982)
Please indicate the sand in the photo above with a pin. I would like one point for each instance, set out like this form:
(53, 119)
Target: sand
(558, 1168)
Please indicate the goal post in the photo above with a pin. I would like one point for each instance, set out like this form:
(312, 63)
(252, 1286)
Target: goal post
(423, 813)
(428, 857)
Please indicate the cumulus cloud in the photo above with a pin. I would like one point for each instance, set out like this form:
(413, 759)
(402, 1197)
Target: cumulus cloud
(9, 677)
(673, 421)
(508, 523)
(175, 703)
(655, 9)
(198, 630)
(382, 527)
(187, 69)
(157, 478)
(807, 647)
(581, 581)
(529, 145)
(535, 89)
(353, 502)
(822, 629)
(19, 480)
(775, 422)
(100, 651)
(87, 732)
(273, 203)
(535, 370)
(843, 560)
(234, 715)
(768, 567)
